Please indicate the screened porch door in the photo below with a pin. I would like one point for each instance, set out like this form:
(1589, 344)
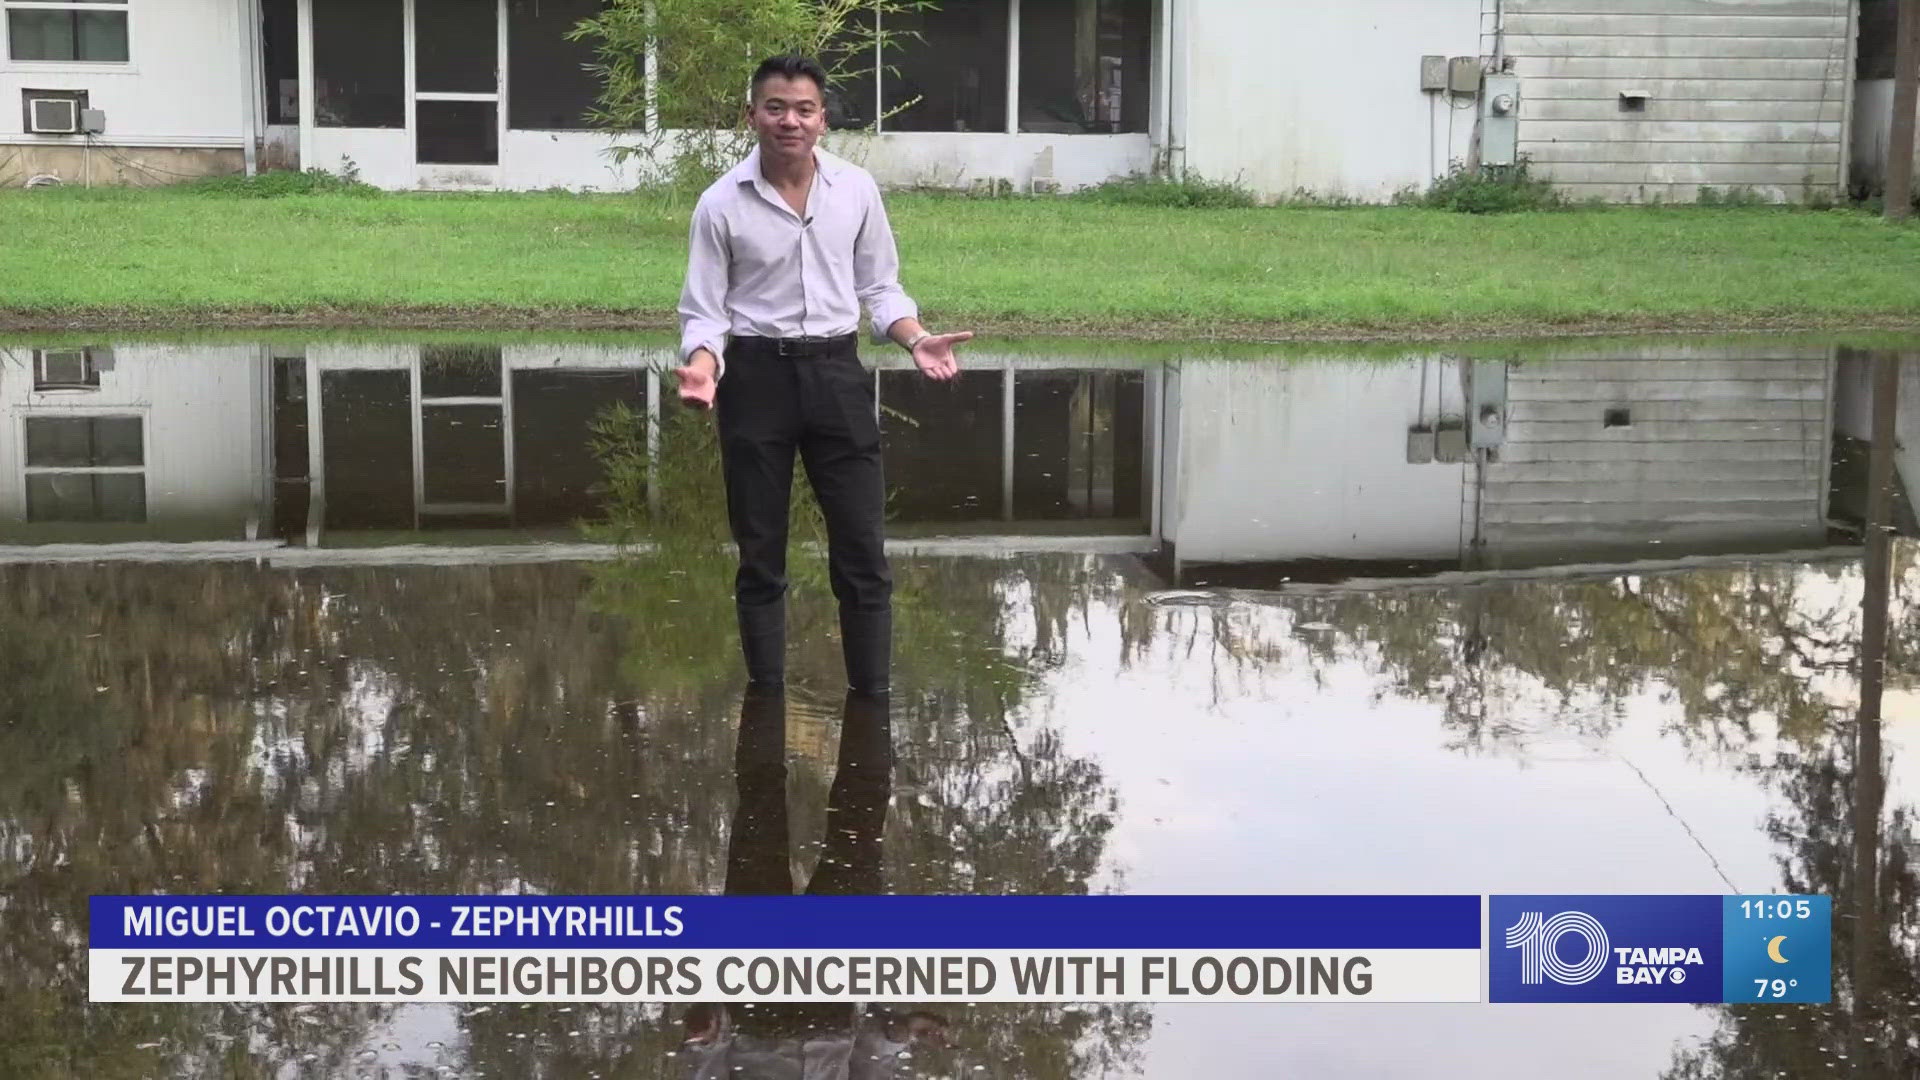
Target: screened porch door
(455, 91)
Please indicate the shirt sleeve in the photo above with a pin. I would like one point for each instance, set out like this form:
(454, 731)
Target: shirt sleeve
(703, 299)
(876, 269)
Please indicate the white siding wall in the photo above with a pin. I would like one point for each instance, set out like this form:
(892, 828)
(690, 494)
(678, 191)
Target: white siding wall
(1742, 93)
(383, 156)
(1309, 460)
(1323, 98)
(581, 161)
(185, 83)
(1720, 452)
(203, 407)
(534, 160)
(577, 160)
(943, 159)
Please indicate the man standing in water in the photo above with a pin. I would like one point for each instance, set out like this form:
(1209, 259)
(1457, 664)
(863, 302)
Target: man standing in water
(783, 251)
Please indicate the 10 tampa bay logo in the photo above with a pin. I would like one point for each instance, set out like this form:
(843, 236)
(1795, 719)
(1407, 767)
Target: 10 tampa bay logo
(1542, 956)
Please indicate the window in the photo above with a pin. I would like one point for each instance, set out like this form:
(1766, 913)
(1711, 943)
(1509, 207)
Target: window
(457, 132)
(948, 437)
(1879, 25)
(359, 64)
(850, 62)
(70, 31)
(952, 58)
(557, 479)
(86, 468)
(292, 452)
(548, 85)
(463, 437)
(460, 371)
(1084, 65)
(457, 46)
(65, 369)
(280, 54)
(1080, 445)
(366, 439)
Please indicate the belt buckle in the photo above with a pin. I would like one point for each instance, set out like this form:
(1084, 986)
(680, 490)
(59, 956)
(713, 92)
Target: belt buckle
(798, 346)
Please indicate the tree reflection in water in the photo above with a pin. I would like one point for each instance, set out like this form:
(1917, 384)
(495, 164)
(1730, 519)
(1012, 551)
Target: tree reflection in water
(222, 727)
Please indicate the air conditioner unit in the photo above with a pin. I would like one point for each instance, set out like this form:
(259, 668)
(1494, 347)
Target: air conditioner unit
(53, 116)
(65, 369)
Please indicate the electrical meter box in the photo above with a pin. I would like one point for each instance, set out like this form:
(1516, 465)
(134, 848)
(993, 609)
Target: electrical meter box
(1486, 404)
(1500, 119)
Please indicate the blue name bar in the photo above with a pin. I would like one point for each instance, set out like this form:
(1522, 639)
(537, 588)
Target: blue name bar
(668, 923)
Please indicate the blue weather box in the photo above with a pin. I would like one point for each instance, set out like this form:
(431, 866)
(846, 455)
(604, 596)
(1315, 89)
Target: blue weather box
(1778, 948)
(1698, 949)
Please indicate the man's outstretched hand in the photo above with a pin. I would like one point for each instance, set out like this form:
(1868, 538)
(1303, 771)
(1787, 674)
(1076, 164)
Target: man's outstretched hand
(934, 355)
(697, 383)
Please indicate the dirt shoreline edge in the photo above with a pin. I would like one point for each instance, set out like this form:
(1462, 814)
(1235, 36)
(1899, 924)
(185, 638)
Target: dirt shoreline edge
(484, 319)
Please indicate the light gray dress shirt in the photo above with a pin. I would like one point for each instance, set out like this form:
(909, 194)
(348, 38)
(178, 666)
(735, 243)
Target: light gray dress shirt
(756, 268)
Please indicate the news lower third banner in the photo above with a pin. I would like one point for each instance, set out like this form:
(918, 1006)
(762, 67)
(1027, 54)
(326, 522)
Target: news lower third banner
(785, 948)
(900, 949)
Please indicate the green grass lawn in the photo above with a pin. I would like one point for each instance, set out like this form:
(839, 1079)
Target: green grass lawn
(1029, 266)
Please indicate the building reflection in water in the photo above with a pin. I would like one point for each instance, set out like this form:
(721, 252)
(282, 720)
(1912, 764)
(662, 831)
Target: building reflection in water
(365, 444)
(1228, 471)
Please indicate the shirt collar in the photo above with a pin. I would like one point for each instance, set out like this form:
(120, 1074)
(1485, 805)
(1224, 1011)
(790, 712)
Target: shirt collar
(826, 166)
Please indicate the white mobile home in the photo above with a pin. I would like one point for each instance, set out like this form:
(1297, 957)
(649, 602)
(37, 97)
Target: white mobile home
(1666, 451)
(1638, 100)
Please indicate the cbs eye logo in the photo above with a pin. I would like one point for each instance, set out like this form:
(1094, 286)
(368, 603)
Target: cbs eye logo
(1538, 939)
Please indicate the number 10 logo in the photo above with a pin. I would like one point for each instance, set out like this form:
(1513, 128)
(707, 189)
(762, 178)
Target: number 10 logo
(1538, 939)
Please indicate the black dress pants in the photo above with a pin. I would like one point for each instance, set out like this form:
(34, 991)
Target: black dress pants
(759, 858)
(822, 406)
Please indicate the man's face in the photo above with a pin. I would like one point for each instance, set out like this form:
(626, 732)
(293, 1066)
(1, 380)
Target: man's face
(788, 115)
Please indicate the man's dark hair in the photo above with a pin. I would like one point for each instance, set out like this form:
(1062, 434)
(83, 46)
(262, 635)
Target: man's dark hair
(791, 67)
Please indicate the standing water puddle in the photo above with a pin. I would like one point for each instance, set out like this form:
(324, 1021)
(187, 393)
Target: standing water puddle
(325, 618)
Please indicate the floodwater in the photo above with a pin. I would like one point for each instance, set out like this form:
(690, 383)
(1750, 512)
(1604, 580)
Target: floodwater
(425, 618)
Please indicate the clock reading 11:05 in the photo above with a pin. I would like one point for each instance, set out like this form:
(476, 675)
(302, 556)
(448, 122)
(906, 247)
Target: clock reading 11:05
(1784, 908)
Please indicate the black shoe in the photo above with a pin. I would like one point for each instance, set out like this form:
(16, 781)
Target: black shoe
(850, 859)
(866, 642)
(763, 642)
(757, 856)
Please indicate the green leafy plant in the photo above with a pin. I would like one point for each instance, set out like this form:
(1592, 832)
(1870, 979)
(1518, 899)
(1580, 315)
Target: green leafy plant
(1490, 189)
(688, 120)
(666, 510)
(280, 183)
(1187, 192)
(1736, 196)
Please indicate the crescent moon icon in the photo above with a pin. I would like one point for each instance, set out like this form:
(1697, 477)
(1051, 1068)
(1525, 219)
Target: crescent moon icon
(1773, 950)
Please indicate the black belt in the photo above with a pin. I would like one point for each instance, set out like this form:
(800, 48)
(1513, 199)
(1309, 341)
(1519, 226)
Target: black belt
(795, 348)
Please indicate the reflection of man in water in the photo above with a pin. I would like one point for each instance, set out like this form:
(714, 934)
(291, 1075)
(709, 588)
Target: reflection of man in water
(783, 252)
(770, 1041)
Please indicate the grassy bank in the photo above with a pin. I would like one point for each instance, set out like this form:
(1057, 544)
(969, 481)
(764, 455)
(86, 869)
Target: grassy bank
(1008, 265)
